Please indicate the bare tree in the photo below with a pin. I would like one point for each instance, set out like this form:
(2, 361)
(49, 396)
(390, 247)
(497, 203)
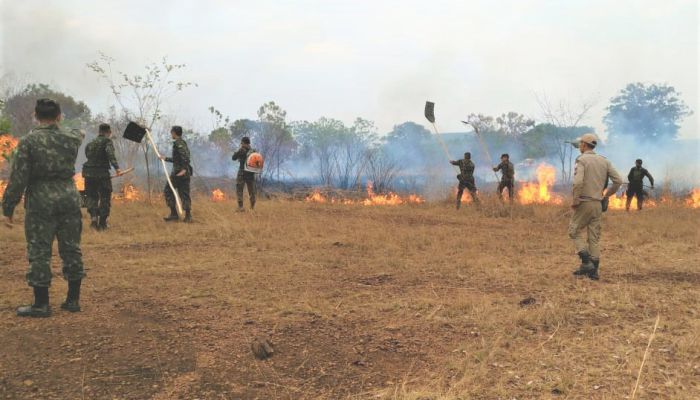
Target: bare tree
(141, 96)
(564, 115)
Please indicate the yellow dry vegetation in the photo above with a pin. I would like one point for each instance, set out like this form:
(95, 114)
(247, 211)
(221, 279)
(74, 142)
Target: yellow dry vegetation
(407, 302)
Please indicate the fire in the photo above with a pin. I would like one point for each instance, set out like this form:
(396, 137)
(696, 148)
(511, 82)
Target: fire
(373, 199)
(3, 185)
(540, 192)
(389, 199)
(316, 197)
(466, 196)
(130, 193)
(7, 145)
(218, 195)
(694, 200)
(619, 202)
(79, 181)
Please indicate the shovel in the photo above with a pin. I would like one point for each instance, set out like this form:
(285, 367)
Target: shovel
(136, 133)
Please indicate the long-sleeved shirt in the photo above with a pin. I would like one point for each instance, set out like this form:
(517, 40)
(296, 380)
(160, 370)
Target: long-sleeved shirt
(241, 155)
(100, 155)
(466, 168)
(636, 177)
(507, 170)
(591, 175)
(43, 170)
(180, 157)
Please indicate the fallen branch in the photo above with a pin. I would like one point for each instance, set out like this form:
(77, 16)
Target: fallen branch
(641, 367)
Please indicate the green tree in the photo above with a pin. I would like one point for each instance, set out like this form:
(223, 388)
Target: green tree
(19, 108)
(647, 112)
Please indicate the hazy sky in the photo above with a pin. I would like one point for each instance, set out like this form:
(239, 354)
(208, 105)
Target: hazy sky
(376, 59)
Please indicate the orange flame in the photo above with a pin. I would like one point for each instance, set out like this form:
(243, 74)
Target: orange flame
(619, 202)
(130, 193)
(466, 196)
(540, 192)
(7, 145)
(218, 195)
(79, 181)
(373, 199)
(389, 199)
(694, 200)
(316, 197)
(3, 185)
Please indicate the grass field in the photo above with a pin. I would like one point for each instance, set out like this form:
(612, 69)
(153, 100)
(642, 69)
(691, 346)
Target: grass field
(407, 302)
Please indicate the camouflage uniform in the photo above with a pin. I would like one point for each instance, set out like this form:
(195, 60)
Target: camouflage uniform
(466, 179)
(244, 178)
(181, 161)
(98, 183)
(590, 178)
(507, 178)
(43, 171)
(635, 187)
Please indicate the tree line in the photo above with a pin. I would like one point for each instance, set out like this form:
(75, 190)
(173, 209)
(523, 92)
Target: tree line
(330, 152)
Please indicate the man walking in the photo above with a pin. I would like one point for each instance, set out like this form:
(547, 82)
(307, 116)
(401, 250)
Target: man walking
(42, 172)
(98, 183)
(244, 178)
(465, 178)
(507, 176)
(635, 187)
(590, 177)
(179, 176)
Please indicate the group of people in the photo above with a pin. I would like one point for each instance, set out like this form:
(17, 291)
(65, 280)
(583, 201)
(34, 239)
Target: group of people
(591, 191)
(44, 165)
(466, 177)
(98, 181)
(42, 172)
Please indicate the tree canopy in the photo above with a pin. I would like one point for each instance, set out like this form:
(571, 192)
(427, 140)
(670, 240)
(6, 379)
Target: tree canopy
(647, 112)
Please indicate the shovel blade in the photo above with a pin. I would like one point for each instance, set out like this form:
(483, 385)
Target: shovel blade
(134, 132)
(430, 111)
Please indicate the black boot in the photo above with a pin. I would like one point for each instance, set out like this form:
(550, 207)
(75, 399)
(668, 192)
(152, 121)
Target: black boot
(188, 216)
(586, 265)
(72, 302)
(594, 273)
(102, 224)
(40, 308)
(252, 205)
(173, 217)
(240, 207)
(94, 224)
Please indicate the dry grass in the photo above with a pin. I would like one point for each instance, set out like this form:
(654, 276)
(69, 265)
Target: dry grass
(407, 303)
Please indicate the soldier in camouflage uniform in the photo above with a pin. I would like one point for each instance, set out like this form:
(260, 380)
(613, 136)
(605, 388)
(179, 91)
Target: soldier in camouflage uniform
(507, 176)
(590, 178)
(42, 171)
(180, 177)
(98, 183)
(244, 178)
(635, 187)
(465, 178)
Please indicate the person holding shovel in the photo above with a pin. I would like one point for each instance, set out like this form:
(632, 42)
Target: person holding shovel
(465, 178)
(635, 187)
(180, 177)
(42, 173)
